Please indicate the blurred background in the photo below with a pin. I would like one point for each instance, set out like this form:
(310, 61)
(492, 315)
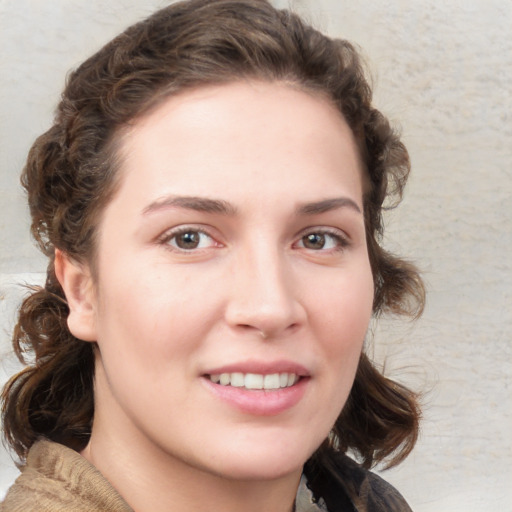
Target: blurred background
(442, 72)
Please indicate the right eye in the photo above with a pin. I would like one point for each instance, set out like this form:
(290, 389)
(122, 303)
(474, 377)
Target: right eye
(189, 239)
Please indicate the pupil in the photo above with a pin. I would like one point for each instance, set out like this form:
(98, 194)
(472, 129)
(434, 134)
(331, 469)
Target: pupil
(314, 241)
(188, 240)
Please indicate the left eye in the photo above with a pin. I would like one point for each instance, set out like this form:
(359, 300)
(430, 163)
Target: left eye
(320, 241)
(190, 239)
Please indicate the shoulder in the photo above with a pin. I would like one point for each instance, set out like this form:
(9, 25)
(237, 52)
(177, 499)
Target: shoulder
(56, 478)
(345, 486)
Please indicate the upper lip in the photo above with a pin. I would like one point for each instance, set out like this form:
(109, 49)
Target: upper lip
(261, 367)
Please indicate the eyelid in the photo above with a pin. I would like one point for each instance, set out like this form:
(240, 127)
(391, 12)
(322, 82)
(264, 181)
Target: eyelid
(169, 234)
(340, 235)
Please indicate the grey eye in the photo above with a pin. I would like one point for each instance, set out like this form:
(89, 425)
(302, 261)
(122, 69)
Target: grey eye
(314, 241)
(321, 241)
(191, 239)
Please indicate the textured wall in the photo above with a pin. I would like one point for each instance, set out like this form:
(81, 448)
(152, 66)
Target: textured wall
(443, 69)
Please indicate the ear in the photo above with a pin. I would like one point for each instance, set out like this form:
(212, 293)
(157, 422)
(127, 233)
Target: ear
(77, 283)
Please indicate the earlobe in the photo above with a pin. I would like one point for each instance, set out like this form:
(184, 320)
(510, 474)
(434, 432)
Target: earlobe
(76, 281)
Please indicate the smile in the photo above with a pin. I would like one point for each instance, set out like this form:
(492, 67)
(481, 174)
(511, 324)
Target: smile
(255, 380)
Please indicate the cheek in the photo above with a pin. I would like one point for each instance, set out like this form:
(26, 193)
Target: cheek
(346, 307)
(343, 316)
(146, 338)
(152, 317)
(340, 319)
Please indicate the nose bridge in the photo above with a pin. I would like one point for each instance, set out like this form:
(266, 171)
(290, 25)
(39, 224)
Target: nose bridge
(264, 297)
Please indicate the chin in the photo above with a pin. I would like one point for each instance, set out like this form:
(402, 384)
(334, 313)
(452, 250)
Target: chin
(268, 463)
(252, 470)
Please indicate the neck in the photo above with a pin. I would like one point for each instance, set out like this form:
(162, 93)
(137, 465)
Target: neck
(150, 483)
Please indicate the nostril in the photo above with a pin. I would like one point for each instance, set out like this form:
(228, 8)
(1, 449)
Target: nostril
(259, 331)
(268, 333)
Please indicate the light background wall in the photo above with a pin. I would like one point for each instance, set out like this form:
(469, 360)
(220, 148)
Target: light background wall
(443, 70)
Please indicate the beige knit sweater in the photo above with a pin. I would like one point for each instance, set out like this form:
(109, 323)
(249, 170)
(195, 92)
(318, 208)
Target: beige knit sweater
(58, 479)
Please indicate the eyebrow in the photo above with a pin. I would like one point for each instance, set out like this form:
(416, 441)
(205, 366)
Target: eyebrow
(201, 204)
(327, 205)
(204, 204)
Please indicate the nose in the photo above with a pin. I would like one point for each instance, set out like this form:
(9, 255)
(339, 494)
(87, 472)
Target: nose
(264, 296)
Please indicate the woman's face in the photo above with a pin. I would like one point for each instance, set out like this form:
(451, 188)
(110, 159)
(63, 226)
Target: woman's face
(233, 289)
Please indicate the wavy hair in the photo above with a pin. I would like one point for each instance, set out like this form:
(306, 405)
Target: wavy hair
(72, 172)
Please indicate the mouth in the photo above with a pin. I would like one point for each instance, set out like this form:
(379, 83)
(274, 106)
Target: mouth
(259, 388)
(255, 381)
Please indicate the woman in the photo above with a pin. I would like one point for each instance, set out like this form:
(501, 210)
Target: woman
(209, 198)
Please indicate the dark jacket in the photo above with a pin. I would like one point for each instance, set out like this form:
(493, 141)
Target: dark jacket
(345, 486)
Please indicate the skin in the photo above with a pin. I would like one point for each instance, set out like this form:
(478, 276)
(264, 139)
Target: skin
(280, 273)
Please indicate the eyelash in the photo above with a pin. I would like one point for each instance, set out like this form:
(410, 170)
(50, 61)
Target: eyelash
(340, 240)
(173, 234)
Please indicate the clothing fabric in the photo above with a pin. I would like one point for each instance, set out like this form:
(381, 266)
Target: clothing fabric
(58, 479)
(339, 484)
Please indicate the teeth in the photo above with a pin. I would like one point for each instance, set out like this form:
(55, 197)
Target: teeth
(237, 380)
(271, 381)
(255, 380)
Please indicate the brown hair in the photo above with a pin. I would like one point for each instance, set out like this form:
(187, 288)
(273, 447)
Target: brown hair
(71, 174)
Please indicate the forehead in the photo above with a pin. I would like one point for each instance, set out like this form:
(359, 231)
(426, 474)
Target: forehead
(215, 135)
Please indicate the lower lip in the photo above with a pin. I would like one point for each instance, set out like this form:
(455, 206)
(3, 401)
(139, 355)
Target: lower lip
(257, 401)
